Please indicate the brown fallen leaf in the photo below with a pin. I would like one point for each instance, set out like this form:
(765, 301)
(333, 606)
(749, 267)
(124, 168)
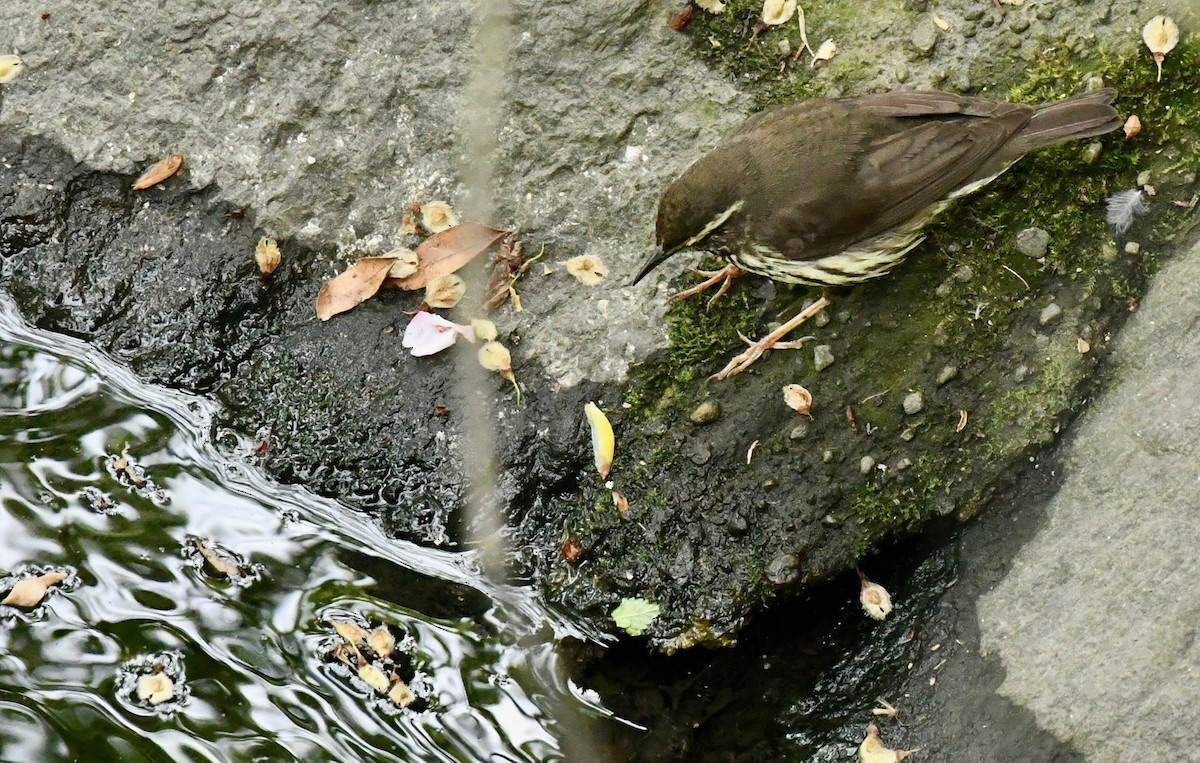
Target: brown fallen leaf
(159, 172)
(29, 592)
(445, 252)
(352, 287)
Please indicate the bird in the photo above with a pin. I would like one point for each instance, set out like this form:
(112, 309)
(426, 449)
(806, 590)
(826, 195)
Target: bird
(837, 191)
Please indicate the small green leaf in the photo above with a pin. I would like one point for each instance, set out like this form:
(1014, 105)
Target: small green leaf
(635, 615)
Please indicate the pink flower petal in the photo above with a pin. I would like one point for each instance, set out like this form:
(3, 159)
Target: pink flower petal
(429, 334)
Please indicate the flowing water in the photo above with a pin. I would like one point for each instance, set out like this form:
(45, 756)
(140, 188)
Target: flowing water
(248, 656)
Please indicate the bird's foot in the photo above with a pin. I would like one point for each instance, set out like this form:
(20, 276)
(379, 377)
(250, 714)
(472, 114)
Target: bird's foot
(724, 276)
(756, 349)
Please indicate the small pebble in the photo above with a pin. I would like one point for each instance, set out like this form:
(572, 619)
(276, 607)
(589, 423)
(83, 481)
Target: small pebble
(830, 520)
(913, 403)
(1033, 242)
(866, 465)
(903, 464)
(1189, 178)
(821, 319)
(946, 374)
(924, 35)
(964, 274)
(799, 431)
(783, 569)
(908, 434)
(706, 412)
(1132, 247)
(827, 456)
(822, 357)
(1091, 152)
(1049, 314)
(1143, 177)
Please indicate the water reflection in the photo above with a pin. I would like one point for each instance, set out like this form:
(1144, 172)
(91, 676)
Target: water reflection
(253, 680)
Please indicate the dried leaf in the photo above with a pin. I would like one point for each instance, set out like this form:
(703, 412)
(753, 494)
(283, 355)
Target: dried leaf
(217, 562)
(159, 172)
(29, 592)
(621, 502)
(872, 749)
(1133, 126)
(962, 420)
(355, 285)
(354, 633)
(155, 688)
(604, 442)
(444, 253)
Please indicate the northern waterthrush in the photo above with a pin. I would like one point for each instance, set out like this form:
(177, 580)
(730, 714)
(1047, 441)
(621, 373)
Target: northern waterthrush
(837, 191)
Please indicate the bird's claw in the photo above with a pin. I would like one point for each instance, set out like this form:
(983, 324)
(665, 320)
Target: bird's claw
(747, 357)
(724, 276)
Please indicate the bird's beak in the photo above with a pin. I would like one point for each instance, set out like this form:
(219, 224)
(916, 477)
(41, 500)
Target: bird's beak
(654, 260)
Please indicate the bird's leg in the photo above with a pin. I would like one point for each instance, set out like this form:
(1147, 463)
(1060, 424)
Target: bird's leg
(724, 276)
(756, 349)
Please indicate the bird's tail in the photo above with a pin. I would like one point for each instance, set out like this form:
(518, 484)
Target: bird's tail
(1081, 116)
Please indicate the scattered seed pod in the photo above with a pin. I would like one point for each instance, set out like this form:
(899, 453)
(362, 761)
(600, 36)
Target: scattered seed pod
(798, 399)
(604, 442)
(10, 68)
(484, 329)
(438, 216)
(404, 263)
(1161, 35)
(872, 749)
(155, 688)
(445, 291)
(495, 357)
(876, 601)
(826, 52)
(159, 172)
(776, 12)
(587, 268)
(267, 255)
(1133, 126)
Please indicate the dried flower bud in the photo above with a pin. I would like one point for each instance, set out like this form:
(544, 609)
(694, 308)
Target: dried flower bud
(776, 12)
(404, 263)
(587, 268)
(446, 291)
(437, 216)
(267, 255)
(876, 601)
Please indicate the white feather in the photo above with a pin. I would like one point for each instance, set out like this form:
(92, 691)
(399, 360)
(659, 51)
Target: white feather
(1123, 208)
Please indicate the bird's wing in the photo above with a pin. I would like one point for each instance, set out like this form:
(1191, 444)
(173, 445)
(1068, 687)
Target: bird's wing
(883, 161)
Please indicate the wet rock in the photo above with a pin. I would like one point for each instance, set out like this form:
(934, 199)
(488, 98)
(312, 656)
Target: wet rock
(913, 403)
(1132, 247)
(705, 413)
(866, 464)
(822, 357)
(924, 35)
(946, 374)
(1033, 242)
(783, 569)
(1049, 314)
(1092, 151)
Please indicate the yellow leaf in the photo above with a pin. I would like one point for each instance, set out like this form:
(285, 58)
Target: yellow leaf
(30, 591)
